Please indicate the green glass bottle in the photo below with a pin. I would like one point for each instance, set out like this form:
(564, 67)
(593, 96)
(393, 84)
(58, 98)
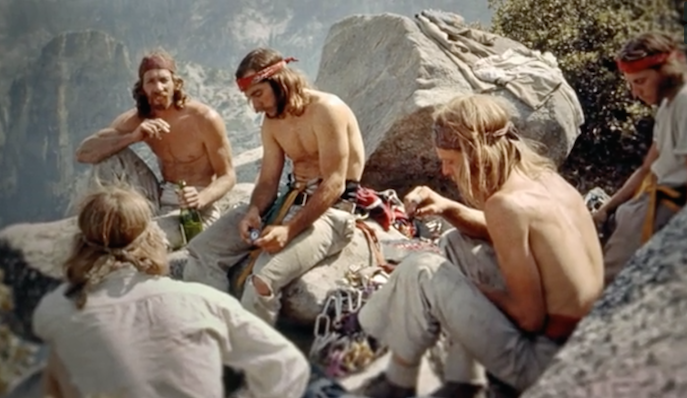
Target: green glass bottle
(191, 223)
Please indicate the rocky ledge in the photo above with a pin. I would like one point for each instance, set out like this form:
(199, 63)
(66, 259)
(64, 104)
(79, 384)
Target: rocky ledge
(634, 341)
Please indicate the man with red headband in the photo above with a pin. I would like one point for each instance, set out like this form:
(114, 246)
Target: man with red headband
(653, 64)
(187, 136)
(290, 233)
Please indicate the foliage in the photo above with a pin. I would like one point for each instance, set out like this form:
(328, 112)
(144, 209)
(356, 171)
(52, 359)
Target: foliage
(585, 36)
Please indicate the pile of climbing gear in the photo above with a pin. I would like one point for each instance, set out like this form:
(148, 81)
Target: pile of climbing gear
(341, 347)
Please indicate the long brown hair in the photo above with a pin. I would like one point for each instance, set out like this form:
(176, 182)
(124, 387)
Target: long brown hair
(480, 127)
(288, 84)
(179, 96)
(648, 44)
(115, 229)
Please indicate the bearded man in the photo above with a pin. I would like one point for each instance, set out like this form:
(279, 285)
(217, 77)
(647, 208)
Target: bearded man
(653, 65)
(188, 138)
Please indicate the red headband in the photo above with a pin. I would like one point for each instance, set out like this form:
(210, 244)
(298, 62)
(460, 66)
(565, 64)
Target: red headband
(249, 80)
(155, 62)
(642, 63)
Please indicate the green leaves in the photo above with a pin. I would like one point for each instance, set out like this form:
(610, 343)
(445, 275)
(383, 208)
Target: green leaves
(585, 36)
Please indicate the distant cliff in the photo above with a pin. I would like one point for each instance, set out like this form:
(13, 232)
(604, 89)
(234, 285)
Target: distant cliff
(80, 82)
(67, 68)
(71, 88)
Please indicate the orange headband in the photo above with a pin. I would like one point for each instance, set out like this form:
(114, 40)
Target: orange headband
(642, 63)
(249, 80)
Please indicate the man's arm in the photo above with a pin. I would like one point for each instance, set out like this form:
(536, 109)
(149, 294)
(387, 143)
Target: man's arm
(632, 183)
(273, 366)
(267, 183)
(51, 387)
(469, 221)
(218, 149)
(523, 299)
(332, 144)
(680, 112)
(110, 140)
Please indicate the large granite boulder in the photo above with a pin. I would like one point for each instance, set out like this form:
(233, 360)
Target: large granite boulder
(394, 71)
(634, 341)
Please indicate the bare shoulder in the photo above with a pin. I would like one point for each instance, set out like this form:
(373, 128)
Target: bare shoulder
(508, 207)
(203, 111)
(127, 121)
(207, 118)
(327, 103)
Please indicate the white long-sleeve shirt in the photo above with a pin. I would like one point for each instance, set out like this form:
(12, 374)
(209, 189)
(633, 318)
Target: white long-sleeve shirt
(145, 336)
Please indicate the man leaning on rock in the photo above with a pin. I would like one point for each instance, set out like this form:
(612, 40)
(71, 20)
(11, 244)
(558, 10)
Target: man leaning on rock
(653, 64)
(313, 218)
(188, 138)
(521, 268)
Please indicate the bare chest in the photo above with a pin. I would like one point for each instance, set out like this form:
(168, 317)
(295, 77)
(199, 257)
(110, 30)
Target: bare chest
(297, 140)
(183, 144)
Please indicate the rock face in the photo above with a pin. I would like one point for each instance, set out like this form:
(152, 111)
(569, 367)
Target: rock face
(208, 39)
(634, 341)
(63, 95)
(80, 82)
(393, 76)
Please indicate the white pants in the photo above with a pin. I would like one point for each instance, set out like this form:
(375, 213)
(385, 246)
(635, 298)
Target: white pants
(428, 292)
(220, 247)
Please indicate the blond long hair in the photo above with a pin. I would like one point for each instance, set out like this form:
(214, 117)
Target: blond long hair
(115, 229)
(479, 126)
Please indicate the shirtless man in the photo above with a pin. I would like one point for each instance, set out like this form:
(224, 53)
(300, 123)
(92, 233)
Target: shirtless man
(189, 139)
(521, 268)
(653, 64)
(320, 134)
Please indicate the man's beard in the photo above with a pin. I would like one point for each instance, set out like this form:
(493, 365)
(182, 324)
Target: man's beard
(669, 86)
(159, 102)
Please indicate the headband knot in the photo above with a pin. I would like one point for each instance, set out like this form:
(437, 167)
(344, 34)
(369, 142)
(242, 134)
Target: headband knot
(116, 250)
(245, 82)
(444, 138)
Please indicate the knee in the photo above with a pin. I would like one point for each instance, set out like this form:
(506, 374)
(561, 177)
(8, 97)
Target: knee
(416, 264)
(261, 286)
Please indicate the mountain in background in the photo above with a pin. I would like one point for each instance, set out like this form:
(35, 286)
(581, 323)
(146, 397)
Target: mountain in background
(68, 67)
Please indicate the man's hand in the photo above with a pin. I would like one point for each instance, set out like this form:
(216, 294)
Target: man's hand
(423, 202)
(274, 238)
(189, 197)
(152, 128)
(250, 221)
(600, 216)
